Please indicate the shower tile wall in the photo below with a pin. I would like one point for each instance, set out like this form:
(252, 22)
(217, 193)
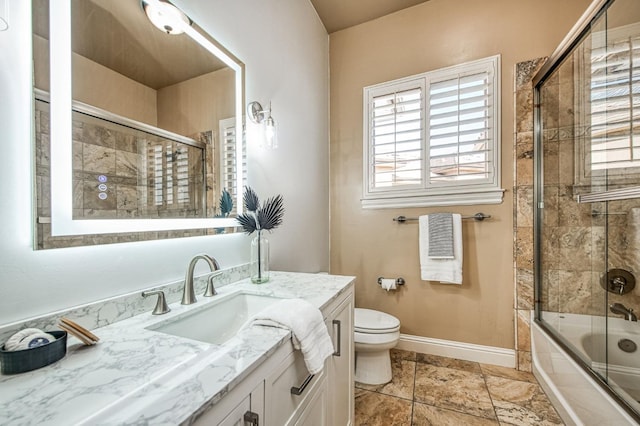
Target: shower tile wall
(125, 161)
(523, 208)
(574, 234)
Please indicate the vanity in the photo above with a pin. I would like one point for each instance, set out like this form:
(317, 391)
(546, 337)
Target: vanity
(144, 371)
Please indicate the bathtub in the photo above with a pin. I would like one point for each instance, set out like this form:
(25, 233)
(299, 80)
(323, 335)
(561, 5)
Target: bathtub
(575, 394)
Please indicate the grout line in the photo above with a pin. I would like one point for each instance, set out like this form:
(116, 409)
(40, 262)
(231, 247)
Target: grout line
(493, 405)
(413, 393)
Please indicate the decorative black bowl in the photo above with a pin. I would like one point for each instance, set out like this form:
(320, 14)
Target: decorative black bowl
(13, 362)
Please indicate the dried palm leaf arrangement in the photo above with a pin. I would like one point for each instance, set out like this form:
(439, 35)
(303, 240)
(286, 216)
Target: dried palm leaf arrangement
(256, 217)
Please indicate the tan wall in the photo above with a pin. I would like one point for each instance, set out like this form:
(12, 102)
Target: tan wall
(197, 104)
(100, 86)
(367, 243)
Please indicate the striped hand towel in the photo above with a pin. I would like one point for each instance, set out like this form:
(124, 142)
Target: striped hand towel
(441, 269)
(441, 236)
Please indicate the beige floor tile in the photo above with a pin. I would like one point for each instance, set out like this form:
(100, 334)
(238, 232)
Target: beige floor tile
(401, 384)
(375, 409)
(507, 373)
(441, 361)
(402, 354)
(448, 391)
(424, 415)
(453, 389)
(521, 403)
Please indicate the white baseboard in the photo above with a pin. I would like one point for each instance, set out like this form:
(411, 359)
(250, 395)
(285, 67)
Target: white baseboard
(466, 351)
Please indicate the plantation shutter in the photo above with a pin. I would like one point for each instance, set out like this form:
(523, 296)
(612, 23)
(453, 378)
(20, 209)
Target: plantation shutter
(615, 105)
(229, 159)
(433, 139)
(460, 131)
(396, 137)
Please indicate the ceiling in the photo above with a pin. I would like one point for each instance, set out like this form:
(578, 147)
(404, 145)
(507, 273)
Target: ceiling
(340, 14)
(118, 35)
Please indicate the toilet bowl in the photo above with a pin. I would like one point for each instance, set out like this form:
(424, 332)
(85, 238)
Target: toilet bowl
(375, 333)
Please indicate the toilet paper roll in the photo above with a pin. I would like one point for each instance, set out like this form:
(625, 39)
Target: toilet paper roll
(388, 284)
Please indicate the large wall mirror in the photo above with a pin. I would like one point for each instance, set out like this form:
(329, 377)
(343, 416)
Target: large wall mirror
(135, 122)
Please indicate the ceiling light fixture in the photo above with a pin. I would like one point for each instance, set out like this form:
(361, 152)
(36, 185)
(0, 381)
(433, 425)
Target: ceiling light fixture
(165, 16)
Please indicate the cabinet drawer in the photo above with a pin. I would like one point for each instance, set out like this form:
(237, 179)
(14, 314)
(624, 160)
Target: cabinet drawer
(282, 406)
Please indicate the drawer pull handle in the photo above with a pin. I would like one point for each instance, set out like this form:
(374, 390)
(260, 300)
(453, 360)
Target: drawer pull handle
(339, 324)
(303, 386)
(252, 418)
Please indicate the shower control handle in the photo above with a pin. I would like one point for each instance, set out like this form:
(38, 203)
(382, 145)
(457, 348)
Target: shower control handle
(619, 282)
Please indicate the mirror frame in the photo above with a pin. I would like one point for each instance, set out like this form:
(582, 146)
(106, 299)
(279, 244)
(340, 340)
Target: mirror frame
(62, 222)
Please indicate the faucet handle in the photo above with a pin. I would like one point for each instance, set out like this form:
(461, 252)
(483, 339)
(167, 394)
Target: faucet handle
(161, 303)
(211, 290)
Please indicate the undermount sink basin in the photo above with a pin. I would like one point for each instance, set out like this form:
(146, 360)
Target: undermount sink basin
(218, 321)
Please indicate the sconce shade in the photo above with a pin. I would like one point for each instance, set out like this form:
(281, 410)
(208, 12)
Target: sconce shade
(268, 131)
(270, 134)
(163, 15)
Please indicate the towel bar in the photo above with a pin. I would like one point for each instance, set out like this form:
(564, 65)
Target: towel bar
(478, 216)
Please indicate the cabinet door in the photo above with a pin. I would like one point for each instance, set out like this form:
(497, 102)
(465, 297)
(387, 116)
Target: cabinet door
(282, 407)
(316, 412)
(340, 365)
(250, 404)
(236, 417)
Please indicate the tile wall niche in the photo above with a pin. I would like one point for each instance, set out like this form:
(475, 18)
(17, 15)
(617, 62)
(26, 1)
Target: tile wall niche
(101, 149)
(574, 234)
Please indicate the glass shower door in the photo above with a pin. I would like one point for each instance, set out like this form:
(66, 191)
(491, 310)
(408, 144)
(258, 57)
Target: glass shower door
(588, 227)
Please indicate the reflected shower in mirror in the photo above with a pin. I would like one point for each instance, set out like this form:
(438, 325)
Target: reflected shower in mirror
(144, 131)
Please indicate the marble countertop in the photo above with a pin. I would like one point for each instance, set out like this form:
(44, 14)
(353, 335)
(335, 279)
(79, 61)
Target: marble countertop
(139, 376)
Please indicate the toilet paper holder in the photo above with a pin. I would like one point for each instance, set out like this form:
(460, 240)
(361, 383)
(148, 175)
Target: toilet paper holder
(399, 281)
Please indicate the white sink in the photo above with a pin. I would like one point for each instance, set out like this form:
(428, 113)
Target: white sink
(218, 321)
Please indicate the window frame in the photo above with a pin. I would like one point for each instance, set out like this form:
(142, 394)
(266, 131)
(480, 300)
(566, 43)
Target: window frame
(487, 191)
(585, 177)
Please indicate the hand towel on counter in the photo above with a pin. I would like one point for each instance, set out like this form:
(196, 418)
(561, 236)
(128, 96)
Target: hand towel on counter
(305, 321)
(445, 270)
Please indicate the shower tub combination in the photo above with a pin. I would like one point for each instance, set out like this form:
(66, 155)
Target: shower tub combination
(573, 390)
(587, 219)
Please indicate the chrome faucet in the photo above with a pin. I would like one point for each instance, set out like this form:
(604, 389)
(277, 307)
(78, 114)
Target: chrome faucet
(188, 294)
(619, 308)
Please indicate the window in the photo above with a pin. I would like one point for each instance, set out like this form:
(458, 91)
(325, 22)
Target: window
(433, 139)
(228, 162)
(614, 102)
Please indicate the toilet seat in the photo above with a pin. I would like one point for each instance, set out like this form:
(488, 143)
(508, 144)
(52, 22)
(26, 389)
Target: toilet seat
(378, 339)
(368, 321)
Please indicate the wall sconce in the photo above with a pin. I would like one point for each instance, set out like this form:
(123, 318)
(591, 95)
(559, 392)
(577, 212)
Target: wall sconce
(165, 16)
(258, 115)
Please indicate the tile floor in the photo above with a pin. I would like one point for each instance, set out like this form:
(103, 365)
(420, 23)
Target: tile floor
(433, 390)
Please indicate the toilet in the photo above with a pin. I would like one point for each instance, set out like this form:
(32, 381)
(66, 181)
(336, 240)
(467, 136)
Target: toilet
(375, 333)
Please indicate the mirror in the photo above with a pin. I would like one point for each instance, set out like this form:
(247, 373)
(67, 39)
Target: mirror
(142, 123)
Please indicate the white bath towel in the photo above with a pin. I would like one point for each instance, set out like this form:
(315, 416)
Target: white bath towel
(305, 321)
(443, 270)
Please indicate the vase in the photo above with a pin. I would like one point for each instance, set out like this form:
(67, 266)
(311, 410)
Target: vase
(259, 259)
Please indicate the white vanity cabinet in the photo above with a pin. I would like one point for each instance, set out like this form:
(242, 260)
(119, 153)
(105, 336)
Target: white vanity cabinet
(281, 392)
(290, 390)
(241, 407)
(340, 366)
(248, 412)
